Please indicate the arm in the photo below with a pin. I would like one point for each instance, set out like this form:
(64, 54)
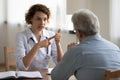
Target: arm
(23, 60)
(20, 49)
(66, 67)
(58, 45)
(29, 57)
(59, 52)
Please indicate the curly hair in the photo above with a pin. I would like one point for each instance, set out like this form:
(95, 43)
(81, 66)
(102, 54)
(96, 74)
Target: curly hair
(35, 8)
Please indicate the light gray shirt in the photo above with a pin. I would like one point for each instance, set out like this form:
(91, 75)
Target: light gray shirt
(25, 41)
(88, 60)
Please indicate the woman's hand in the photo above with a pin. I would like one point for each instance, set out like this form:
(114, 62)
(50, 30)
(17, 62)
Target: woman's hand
(58, 36)
(44, 43)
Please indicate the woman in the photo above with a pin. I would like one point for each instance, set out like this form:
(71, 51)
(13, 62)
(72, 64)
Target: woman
(36, 45)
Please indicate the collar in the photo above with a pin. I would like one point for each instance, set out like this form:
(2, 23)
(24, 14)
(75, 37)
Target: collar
(96, 36)
(30, 34)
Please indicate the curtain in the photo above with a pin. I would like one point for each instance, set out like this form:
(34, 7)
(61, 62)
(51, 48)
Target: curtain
(115, 20)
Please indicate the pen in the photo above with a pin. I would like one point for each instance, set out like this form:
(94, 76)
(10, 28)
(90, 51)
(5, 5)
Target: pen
(49, 39)
(46, 47)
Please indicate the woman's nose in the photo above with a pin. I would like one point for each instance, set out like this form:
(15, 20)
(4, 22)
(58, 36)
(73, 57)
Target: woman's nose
(42, 22)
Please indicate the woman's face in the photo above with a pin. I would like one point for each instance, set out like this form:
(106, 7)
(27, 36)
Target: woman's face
(39, 21)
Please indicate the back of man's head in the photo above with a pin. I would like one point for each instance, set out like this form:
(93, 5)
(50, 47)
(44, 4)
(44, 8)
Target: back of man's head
(86, 22)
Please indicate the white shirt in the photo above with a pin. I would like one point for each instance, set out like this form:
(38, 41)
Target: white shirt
(25, 41)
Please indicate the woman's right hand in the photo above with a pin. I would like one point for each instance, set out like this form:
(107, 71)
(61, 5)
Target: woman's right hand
(44, 43)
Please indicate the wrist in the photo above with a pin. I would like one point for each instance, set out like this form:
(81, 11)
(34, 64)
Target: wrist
(37, 45)
(58, 44)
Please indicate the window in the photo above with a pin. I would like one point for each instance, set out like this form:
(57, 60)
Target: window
(114, 19)
(69, 22)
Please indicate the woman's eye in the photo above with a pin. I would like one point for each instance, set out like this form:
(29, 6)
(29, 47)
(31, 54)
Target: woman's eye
(45, 19)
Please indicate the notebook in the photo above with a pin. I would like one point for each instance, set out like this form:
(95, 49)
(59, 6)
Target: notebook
(20, 74)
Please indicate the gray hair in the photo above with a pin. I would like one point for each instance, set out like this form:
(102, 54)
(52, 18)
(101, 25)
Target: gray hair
(86, 22)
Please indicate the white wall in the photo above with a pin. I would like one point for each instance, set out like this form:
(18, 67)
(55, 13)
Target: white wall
(73, 5)
(99, 7)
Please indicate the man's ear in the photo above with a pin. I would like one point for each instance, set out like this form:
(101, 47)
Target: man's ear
(77, 34)
(80, 35)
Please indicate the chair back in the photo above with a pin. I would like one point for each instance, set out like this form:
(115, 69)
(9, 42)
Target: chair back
(113, 73)
(8, 62)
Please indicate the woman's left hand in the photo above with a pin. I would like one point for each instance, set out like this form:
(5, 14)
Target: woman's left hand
(58, 36)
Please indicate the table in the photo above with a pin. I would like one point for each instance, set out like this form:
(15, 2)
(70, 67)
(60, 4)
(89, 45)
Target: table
(47, 76)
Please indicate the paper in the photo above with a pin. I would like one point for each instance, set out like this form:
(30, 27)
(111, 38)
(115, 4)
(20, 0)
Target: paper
(49, 70)
(20, 74)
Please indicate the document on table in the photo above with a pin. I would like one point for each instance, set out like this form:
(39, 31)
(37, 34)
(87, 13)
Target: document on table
(20, 74)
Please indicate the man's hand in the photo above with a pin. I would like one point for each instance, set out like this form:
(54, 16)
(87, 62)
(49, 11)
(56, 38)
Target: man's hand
(72, 44)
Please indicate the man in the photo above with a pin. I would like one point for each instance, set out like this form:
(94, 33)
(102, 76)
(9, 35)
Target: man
(89, 59)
